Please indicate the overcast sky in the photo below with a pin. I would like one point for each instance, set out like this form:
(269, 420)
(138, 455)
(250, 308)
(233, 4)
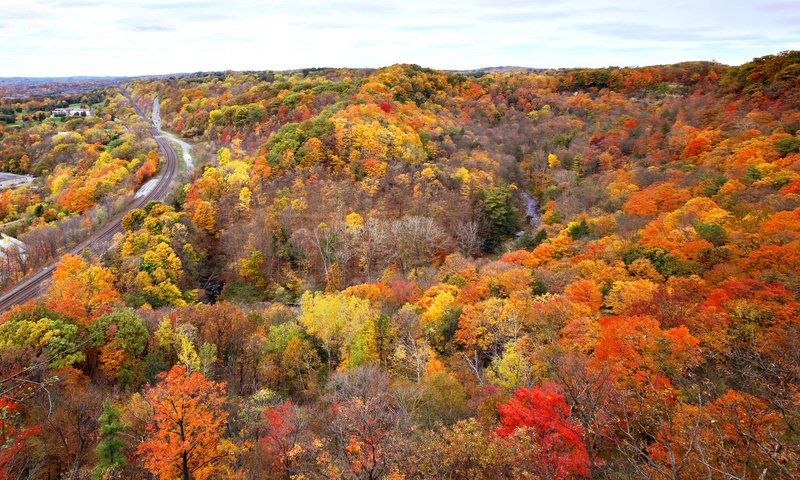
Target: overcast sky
(137, 37)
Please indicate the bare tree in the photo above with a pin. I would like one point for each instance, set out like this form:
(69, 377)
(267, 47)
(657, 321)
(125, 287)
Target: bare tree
(415, 240)
(468, 236)
(653, 420)
(373, 242)
(412, 348)
(332, 245)
(365, 426)
(588, 391)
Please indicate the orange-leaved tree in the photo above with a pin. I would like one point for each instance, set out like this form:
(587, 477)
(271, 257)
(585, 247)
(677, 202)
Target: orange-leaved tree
(184, 438)
(79, 289)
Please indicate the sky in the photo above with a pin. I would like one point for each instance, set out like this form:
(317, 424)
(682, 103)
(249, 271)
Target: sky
(145, 37)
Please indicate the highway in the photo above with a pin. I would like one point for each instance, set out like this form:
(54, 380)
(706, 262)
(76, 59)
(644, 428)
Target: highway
(33, 285)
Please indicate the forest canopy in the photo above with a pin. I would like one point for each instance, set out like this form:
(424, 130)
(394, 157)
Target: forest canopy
(412, 273)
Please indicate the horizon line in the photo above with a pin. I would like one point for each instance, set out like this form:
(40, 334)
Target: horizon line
(300, 69)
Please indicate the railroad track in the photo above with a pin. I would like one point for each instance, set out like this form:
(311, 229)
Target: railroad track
(32, 286)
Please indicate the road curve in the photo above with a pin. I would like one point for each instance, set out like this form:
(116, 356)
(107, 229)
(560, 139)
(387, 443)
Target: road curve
(32, 286)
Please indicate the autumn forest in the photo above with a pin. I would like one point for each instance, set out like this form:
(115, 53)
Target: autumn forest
(407, 273)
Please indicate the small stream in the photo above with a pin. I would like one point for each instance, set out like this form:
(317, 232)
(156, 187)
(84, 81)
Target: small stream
(531, 210)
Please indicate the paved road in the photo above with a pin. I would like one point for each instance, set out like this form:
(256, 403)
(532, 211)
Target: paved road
(33, 285)
(157, 113)
(187, 156)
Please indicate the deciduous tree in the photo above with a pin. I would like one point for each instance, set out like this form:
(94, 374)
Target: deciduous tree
(185, 436)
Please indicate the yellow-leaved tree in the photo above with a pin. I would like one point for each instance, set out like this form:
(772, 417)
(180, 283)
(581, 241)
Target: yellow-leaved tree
(336, 320)
(80, 290)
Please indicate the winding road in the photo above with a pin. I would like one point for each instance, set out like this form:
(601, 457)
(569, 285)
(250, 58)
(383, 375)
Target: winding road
(33, 285)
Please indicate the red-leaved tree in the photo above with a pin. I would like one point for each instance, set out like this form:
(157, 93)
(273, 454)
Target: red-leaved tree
(283, 427)
(544, 414)
(12, 437)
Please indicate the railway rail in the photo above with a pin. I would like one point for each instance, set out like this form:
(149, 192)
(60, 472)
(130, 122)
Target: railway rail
(32, 286)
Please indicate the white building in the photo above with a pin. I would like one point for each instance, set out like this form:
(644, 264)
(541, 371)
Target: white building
(72, 112)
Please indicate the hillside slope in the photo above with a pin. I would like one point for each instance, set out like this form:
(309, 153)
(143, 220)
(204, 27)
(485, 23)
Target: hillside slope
(377, 313)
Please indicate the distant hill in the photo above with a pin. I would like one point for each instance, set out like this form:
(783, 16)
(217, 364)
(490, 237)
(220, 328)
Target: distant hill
(37, 80)
(27, 87)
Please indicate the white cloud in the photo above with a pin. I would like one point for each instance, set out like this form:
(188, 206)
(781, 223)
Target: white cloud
(90, 37)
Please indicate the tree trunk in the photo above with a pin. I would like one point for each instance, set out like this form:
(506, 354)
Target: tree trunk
(185, 467)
